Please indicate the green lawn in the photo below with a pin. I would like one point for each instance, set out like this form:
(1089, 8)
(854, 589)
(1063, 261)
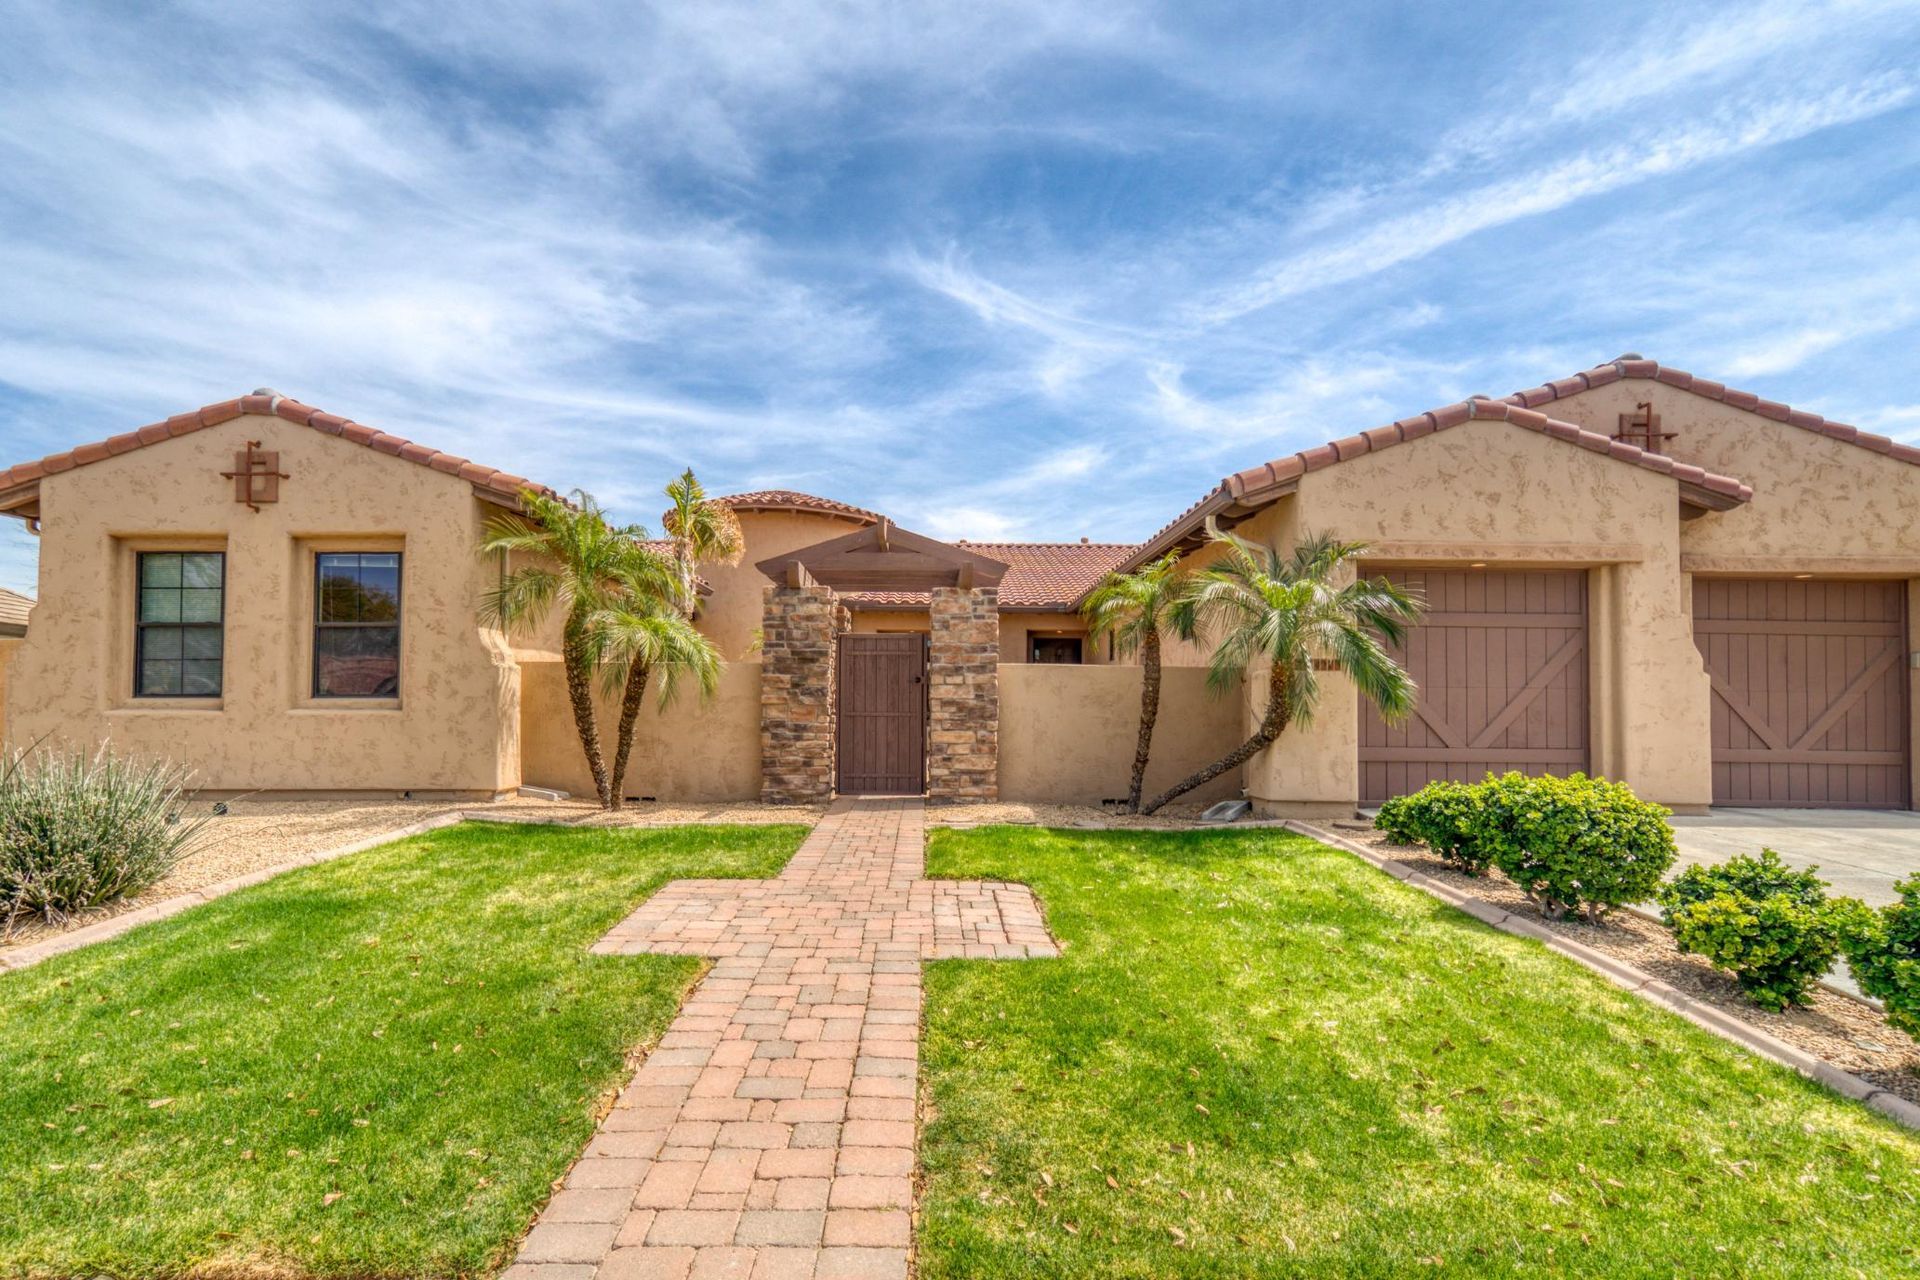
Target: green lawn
(1260, 1057)
(374, 1067)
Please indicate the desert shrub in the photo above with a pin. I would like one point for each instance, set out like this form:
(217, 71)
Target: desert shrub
(77, 831)
(1442, 816)
(1884, 952)
(1772, 927)
(1573, 843)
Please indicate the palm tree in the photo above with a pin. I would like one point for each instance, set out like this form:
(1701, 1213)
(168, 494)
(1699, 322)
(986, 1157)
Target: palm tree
(1133, 609)
(651, 629)
(702, 532)
(1288, 611)
(647, 633)
(578, 560)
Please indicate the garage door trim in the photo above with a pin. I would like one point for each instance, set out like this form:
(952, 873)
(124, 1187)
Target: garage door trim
(1483, 672)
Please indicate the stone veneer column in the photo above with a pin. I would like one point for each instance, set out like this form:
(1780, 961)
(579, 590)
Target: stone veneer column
(963, 697)
(798, 635)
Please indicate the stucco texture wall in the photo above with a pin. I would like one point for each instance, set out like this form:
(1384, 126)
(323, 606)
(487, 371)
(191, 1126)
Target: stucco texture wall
(453, 728)
(1818, 505)
(694, 749)
(1492, 493)
(9, 646)
(1067, 734)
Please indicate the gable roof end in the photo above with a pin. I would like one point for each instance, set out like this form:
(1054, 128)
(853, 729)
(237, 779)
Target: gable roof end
(1630, 366)
(490, 482)
(1241, 493)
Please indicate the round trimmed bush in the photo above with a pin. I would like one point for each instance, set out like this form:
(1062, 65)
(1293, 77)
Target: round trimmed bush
(77, 832)
(1442, 816)
(1884, 952)
(1772, 927)
(1574, 843)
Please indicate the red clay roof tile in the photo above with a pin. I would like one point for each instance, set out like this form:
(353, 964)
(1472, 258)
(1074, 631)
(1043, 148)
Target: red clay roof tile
(793, 500)
(1253, 484)
(503, 483)
(1040, 575)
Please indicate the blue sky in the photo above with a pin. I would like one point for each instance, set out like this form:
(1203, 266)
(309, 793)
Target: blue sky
(1001, 269)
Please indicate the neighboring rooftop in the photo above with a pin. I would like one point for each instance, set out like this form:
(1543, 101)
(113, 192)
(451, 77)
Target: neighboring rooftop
(14, 609)
(1040, 575)
(489, 481)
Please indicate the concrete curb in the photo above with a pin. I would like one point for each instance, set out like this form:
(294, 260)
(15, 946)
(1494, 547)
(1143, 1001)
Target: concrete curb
(1624, 975)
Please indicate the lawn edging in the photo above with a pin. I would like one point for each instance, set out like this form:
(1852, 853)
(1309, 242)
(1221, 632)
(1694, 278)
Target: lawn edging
(1632, 979)
(15, 958)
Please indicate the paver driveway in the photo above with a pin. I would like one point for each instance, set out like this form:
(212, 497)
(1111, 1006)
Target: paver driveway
(771, 1133)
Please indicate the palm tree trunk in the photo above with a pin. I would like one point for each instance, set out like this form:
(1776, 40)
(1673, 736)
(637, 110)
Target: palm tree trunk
(573, 651)
(1272, 724)
(636, 694)
(1149, 713)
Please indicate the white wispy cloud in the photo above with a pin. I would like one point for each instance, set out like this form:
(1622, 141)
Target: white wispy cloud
(1001, 269)
(1402, 238)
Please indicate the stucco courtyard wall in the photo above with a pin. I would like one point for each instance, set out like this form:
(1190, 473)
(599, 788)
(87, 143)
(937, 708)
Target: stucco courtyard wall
(695, 749)
(1067, 734)
(1494, 494)
(454, 724)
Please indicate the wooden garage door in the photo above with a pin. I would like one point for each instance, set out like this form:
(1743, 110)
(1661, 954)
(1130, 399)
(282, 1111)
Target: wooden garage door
(1501, 663)
(1809, 691)
(881, 738)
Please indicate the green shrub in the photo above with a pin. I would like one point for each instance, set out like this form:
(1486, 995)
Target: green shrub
(1772, 927)
(1884, 952)
(1573, 843)
(1442, 816)
(77, 832)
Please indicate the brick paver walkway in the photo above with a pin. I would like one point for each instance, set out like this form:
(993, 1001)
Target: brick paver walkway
(771, 1133)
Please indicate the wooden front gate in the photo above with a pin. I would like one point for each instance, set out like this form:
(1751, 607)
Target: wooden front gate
(1809, 691)
(1500, 658)
(881, 741)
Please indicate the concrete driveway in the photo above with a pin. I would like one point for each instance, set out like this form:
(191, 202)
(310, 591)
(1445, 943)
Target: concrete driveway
(1859, 853)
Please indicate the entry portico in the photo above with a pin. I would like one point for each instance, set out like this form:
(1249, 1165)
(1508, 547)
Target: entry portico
(880, 714)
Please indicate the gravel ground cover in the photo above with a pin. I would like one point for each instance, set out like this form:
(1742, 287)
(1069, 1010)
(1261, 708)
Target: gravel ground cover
(1848, 1033)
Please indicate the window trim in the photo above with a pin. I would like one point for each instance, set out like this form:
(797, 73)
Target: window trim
(398, 626)
(140, 627)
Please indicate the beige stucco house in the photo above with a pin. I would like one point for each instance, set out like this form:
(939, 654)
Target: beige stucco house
(1631, 571)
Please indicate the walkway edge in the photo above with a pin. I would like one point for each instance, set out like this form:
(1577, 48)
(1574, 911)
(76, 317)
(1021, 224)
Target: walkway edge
(1642, 984)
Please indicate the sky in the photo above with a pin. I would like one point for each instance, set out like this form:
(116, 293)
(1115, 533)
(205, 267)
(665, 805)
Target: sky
(1002, 269)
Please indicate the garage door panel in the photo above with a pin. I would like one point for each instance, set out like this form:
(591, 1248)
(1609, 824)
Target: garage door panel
(1500, 661)
(1809, 691)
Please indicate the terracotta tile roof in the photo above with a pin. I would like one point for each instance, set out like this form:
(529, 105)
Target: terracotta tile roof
(491, 480)
(793, 500)
(1262, 484)
(1040, 575)
(1281, 470)
(1632, 366)
(14, 609)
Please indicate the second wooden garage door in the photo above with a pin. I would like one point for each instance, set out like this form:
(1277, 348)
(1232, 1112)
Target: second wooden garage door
(1809, 691)
(1501, 661)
